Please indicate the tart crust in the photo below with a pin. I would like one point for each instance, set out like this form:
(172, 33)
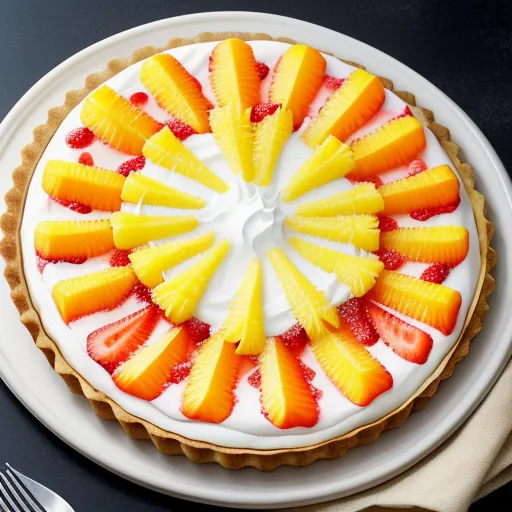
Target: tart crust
(199, 451)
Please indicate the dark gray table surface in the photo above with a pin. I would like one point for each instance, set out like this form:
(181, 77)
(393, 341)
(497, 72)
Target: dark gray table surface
(464, 48)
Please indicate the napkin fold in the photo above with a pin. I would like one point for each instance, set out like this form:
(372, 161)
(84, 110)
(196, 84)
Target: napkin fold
(473, 462)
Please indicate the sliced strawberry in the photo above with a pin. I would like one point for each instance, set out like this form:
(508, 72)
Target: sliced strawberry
(436, 273)
(139, 99)
(387, 223)
(417, 166)
(142, 293)
(372, 179)
(262, 110)
(132, 165)
(114, 343)
(180, 372)
(198, 331)
(86, 158)
(407, 341)
(355, 314)
(332, 83)
(262, 70)
(119, 258)
(80, 138)
(295, 338)
(392, 260)
(427, 213)
(179, 129)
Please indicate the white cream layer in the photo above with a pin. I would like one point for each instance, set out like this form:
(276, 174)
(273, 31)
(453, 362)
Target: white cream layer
(251, 219)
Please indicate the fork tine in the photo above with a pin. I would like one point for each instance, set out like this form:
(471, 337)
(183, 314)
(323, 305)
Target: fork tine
(6, 499)
(3, 506)
(14, 496)
(27, 494)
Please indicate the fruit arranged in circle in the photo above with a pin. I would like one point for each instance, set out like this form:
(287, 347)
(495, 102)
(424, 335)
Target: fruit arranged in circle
(234, 76)
(357, 273)
(209, 393)
(115, 121)
(100, 291)
(309, 306)
(114, 343)
(73, 182)
(244, 322)
(232, 130)
(409, 342)
(330, 161)
(357, 100)
(354, 313)
(286, 396)
(433, 244)
(435, 304)
(429, 189)
(178, 296)
(362, 231)
(67, 239)
(270, 136)
(394, 144)
(131, 230)
(297, 80)
(166, 150)
(148, 264)
(176, 90)
(351, 368)
(146, 373)
(145, 190)
(359, 200)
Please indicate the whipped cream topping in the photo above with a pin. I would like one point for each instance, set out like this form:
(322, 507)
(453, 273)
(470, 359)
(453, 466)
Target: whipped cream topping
(252, 219)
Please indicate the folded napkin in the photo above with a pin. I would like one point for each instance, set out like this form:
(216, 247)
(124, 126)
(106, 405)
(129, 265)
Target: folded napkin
(473, 462)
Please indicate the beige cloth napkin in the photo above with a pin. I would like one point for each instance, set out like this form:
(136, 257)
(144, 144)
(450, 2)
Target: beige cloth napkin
(475, 461)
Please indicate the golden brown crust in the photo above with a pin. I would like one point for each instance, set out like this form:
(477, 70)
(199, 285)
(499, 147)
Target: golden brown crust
(174, 444)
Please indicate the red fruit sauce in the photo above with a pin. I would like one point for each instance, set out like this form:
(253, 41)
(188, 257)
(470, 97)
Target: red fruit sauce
(180, 372)
(132, 165)
(142, 293)
(436, 273)
(332, 83)
(407, 112)
(119, 258)
(80, 138)
(417, 166)
(427, 213)
(254, 379)
(73, 205)
(295, 338)
(210, 62)
(355, 314)
(179, 129)
(262, 110)
(139, 99)
(42, 261)
(86, 159)
(262, 70)
(387, 223)
(392, 260)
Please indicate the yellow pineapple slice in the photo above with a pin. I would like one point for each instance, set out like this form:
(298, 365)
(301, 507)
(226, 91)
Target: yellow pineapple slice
(148, 264)
(358, 274)
(209, 393)
(270, 136)
(330, 161)
(244, 322)
(83, 295)
(286, 395)
(361, 199)
(234, 76)
(233, 133)
(434, 244)
(131, 230)
(362, 231)
(73, 240)
(350, 367)
(434, 304)
(115, 121)
(139, 188)
(98, 188)
(146, 373)
(176, 90)
(166, 150)
(360, 96)
(179, 296)
(309, 306)
(297, 80)
(394, 144)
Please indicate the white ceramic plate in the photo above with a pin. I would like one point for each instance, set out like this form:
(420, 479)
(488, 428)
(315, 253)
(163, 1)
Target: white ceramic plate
(26, 372)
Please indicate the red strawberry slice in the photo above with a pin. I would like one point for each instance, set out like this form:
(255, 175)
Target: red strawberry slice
(387, 223)
(295, 338)
(114, 343)
(262, 70)
(436, 273)
(262, 110)
(392, 260)
(355, 314)
(197, 330)
(180, 130)
(120, 258)
(332, 83)
(132, 165)
(405, 340)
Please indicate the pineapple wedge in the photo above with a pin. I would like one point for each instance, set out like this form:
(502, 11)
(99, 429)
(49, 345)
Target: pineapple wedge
(309, 306)
(330, 161)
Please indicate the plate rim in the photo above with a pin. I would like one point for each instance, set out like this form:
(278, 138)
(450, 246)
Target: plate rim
(16, 117)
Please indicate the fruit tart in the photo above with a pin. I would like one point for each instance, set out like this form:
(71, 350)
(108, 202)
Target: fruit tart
(247, 250)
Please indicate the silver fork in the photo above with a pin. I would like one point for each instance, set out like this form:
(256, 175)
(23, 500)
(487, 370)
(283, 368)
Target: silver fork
(19, 493)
